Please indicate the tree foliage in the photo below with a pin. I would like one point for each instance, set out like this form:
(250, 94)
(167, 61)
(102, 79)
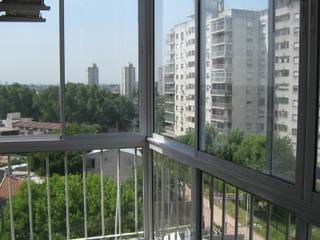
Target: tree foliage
(248, 150)
(76, 208)
(85, 105)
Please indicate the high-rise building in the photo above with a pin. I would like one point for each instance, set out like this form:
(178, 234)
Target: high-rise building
(128, 81)
(235, 89)
(238, 74)
(93, 75)
(286, 69)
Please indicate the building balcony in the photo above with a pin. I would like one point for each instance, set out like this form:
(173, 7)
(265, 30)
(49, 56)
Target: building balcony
(224, 66)
(221, 54)
(221, 92)
(220, 118)
(219, 105)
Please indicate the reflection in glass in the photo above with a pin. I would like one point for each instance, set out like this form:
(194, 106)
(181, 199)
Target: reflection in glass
(250, 110)
(101, 92)
(175, 70)
(172, 199)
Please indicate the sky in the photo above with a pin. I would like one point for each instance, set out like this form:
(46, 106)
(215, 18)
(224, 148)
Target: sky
(104, 32)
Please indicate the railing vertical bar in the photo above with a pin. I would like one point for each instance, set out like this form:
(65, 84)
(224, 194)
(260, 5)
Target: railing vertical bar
(48, 197)
(184, 195)
(168, 194)
(66, 184)
(269, 211)
(103, 231)
(251, 217)
(13, 235)
(119, 192)
(211, 198)
(84, 181)
(156, 189)
(136, 226)
(177, 191)
(223, 210)
(30, 201)
(288, 223)
(162, 198)
(236, 215)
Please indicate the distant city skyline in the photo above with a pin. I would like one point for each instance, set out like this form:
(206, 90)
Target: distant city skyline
(89, 38)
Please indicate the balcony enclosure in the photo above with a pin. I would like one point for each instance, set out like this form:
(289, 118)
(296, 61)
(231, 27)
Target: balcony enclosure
(159, 119)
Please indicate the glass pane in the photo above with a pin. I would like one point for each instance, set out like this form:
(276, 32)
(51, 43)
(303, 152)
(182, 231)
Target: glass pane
(101, 92)
(174, 114)
(172, 199)
(315, 233)
(29, 80)
(239, 90)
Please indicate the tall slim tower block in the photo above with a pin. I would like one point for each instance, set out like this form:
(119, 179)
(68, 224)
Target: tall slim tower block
(93, 75)
(128, 79)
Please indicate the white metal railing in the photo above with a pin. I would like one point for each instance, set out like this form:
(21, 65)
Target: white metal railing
(222, 53)
(14, 229)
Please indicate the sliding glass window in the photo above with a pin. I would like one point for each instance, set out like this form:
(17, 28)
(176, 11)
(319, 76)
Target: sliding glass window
(174, 101)
(101, 91)
(29, 79)
(249, 85)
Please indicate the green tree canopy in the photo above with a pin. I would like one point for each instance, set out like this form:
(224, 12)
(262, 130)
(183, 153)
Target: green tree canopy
(58, 213)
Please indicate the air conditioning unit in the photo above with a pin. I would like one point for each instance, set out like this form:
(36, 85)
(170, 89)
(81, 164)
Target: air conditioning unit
(22, 10)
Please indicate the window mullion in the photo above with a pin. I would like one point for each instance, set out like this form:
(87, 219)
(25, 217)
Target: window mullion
(62, 67)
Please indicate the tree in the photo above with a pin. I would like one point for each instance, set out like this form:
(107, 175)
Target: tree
(252, 153)
(283, 159)
(159, 112)
(93, 108)
(46, 102)
(56, 162)
(58, 214)
(16, 98)
(248, 150)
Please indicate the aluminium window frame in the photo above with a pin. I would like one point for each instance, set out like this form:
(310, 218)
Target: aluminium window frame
(142, 92)
(298, 197)
(305, 203)
(47, 143)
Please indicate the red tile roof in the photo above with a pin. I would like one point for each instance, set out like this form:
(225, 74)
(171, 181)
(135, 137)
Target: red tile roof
(36, 125)
(4, 186)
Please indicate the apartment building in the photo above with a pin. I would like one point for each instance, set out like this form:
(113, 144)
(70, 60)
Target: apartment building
(128, 80)
(93, 75)
(286, 69)
(233, 75)
(237, 72)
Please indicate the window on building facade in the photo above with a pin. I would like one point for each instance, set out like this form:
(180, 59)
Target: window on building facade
(166, 101)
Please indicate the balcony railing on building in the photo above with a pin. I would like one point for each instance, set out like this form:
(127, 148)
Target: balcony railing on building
(224, 92)
(222, 53)
(221, 117)
(221, 105)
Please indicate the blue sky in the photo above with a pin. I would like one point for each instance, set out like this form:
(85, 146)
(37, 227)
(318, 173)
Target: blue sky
(97, 31)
